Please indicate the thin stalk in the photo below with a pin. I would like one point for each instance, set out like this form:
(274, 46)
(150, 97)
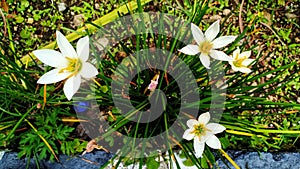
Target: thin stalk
(44, 140)
(229, 159)
(19, 122)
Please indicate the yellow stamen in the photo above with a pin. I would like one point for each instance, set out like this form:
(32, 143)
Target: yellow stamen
(74, 66)
(200, 130)
(239, 61)
(205, 47)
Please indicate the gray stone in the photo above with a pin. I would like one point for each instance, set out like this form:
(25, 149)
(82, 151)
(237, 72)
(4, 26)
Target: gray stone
(263, 160)
(95, 159)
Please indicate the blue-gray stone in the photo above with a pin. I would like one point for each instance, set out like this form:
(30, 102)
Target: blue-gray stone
(263, 160)
(95, 159)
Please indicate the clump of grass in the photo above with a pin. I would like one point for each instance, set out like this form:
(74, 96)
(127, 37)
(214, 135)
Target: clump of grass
(32, 115)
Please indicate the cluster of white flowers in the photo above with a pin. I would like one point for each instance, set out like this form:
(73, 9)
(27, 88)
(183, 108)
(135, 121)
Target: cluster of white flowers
(207, 44)
(201, 131)
(73, 66)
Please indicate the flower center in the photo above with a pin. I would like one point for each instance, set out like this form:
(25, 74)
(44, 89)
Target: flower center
(205, 47)
(199, 130)
(239, 62)
(74, 66)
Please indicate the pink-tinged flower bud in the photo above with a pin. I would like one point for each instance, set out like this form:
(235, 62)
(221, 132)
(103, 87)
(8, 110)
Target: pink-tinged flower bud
(152, 86)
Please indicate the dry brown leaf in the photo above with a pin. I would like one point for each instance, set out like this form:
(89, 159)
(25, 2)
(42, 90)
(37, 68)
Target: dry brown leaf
(91, 145)
(4, 6)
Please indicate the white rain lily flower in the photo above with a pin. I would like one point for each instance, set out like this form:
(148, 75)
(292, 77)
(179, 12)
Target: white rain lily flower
(240, 61)
(69, 64)
(203, 132)
(207, 44)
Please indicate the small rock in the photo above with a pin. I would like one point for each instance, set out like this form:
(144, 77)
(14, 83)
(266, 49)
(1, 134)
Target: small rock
(97, 6)
(269, 76)
(226, 12)
(61, 6)
(215, 17)
(78, 20)
(30, 20)
(290, 15)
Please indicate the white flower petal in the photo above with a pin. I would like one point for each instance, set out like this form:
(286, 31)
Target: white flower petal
(246, 54)
(205, 60)
(71, 86)
(198, 147)
(204, 137)
(190, 50)
(188, 135)
(236, 53)
(234, 68)
(223, 41)
(212, 32)
(247, 62)
(53, 76)
(204, 118)
(197, 33)
(214, 142)
(51, 57)
(190, 123)
(219, 55)
(83, 48)
(88, 70)
(215, 127)
(64, 46)
(244, 70)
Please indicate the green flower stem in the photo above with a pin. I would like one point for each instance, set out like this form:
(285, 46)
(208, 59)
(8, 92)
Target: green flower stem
(120, 123)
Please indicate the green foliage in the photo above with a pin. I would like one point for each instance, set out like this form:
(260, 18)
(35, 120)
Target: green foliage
(261, 108)
(19, 110)
(72, 147)
(151, 163)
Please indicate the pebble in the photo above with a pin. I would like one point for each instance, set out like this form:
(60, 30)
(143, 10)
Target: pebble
(215, 17)
(30, 20)
(226, 12)
(78, 19)
(61, 6)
